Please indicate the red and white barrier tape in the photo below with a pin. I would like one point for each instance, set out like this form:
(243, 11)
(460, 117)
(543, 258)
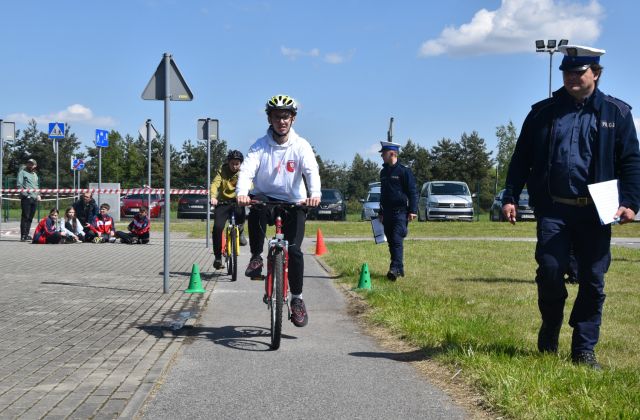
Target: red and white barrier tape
(100, 191)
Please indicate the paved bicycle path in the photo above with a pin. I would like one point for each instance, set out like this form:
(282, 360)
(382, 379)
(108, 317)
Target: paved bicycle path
(328, 369)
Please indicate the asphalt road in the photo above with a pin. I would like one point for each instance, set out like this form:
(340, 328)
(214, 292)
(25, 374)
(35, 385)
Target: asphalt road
(328, 369)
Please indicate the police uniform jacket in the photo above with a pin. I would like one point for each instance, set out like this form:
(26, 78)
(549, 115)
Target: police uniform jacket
(398, 188)
(614, 148)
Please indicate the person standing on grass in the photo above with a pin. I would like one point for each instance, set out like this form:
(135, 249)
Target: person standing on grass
(398, 204)
(577, 137)
(28, 179)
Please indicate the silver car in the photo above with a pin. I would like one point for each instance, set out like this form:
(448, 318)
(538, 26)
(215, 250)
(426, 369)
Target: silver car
(445, 200)
(371, 205)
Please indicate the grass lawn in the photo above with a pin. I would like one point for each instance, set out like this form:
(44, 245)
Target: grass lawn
(474, 307)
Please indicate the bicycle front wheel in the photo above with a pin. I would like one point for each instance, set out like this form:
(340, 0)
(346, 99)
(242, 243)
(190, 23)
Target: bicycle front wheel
(277, 299)
(227, 251)
(233, 255)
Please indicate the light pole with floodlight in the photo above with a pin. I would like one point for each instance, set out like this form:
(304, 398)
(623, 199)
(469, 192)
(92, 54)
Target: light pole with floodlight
(550, 47)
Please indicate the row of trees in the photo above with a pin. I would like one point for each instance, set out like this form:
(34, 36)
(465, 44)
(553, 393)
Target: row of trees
(125, 161)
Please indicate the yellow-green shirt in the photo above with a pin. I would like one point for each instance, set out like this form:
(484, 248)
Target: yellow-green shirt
(224, 183)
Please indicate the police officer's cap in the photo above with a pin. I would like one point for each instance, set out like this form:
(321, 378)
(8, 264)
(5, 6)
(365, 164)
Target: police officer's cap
(33, 162)
(579, 58)
(389, 145)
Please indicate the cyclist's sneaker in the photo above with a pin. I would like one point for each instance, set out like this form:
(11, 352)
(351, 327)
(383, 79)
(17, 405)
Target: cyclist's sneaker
(299, 315)
(243, 240)
(217, 264)
(254, 269)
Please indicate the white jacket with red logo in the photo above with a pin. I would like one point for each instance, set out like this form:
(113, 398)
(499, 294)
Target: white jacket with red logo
(102, 225)
(276, 170)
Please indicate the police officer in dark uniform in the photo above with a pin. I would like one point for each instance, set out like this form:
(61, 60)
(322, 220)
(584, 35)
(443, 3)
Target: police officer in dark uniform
(398, 204)
(577, 137)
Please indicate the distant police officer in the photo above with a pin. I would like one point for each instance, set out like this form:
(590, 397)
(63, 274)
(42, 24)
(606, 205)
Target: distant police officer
(398, 204)
(577, 137)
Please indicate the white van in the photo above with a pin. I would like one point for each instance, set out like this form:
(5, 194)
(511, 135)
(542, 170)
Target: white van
(445, 200)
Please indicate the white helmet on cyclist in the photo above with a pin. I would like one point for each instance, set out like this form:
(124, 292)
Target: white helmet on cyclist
(281, 102)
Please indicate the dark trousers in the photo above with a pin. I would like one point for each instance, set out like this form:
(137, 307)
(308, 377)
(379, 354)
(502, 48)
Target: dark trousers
(558, 229)
(28, 205)
(54, 238)
(395, 229)
(221, 216)
(293, 229)
(127, 237)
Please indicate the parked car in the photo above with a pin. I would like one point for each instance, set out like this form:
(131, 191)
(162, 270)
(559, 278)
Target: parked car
(194, 206)
(332, 206)
(523, 212)
(130, 204)
(371, 204)
(445, 200)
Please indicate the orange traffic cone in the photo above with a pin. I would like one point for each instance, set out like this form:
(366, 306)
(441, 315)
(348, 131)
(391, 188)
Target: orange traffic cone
(321, 249)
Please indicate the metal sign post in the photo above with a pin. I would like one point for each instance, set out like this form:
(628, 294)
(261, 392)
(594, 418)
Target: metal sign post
(8, 133)
(56, 132)
(167, 84)
(102, 140)
(208, 130)
(148, 132)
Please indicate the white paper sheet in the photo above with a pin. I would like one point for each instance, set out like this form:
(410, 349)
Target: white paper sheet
(378, 230)
(605, 197)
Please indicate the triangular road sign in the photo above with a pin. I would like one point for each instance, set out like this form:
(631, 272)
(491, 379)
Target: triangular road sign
(155, 90)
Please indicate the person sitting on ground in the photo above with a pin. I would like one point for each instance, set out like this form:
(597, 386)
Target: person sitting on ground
(102, 228)
(138, 229)
(223, 188)
(86, 210)
(47, 232)
(71, 227)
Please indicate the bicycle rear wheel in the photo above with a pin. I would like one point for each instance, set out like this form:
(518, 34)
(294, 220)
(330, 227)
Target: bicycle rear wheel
(233, 254)
(277, 300)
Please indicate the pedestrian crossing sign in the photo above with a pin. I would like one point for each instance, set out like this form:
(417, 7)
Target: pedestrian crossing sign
(56, 130)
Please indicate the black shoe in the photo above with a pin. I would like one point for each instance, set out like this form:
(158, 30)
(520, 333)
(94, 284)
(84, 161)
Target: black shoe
(28, 238)
(548, 338)
(393, 275)
(243, 240)
(23, 239)
(299, 315)
(217, 264)
(254, 269)
(587, 358)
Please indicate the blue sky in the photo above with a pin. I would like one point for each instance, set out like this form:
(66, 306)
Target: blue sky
(439, 68)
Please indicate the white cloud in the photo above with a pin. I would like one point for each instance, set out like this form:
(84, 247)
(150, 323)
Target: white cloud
(75, 113)
(331, 58)
(516, 25)
(636, 120)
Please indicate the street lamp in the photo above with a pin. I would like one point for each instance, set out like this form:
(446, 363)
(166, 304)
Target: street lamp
(550, 47)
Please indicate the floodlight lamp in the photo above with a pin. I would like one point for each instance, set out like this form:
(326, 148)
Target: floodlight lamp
(540, 44)
(551, 44)
(563, 42)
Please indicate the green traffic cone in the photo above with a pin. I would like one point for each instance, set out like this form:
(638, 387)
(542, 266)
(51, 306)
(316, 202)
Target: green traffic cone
(365, 278)
(195, 284)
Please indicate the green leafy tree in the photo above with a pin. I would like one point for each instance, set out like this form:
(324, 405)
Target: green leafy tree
(193, 161)
(416, 158)
(361, 173)
(476, 164)
(507, 138)
(446, 160)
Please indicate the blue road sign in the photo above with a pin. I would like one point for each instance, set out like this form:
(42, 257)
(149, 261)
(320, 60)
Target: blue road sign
(102, 138)
(56, 130)
(77, 164)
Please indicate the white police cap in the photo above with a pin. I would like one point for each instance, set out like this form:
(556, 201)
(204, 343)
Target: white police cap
(578, 57)
(389, 145)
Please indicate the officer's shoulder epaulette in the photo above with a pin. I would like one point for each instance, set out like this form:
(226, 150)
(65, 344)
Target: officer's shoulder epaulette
(622, 106)
(542, 104)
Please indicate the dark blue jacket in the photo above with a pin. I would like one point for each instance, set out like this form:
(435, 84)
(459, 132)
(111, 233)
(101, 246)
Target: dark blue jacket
(398, 188)
(615, 151)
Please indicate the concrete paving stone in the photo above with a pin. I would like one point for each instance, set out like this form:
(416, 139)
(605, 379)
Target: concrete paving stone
(42, 407)
(85, 411)
(110, 410)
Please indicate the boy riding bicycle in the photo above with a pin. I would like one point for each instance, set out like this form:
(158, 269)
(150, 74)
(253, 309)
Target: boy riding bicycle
(276, 164)
(223, 188)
